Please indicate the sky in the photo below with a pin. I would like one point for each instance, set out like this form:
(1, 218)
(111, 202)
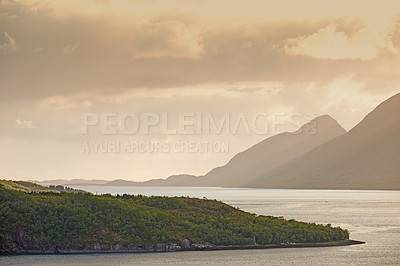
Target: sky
(167, 66)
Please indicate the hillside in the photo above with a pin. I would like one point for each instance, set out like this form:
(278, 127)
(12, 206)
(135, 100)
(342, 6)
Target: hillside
(49, 222)
(367, 157)
(33, 187)
(273, 152)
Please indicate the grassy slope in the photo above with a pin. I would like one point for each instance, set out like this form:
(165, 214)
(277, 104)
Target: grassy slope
(24, 186)
(33, 187)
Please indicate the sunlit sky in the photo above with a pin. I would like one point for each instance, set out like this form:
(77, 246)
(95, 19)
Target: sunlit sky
(61, 59)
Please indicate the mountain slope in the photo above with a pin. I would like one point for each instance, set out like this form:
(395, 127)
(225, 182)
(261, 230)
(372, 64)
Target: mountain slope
(273, 152)
(259, 159)
(367, 157)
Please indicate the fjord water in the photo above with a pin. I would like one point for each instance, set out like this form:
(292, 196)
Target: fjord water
(370, 216)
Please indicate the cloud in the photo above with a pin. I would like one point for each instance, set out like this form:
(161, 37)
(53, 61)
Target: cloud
(329, 43)
(24, 124)
(5, 16)
(166, 38)
(184, 50)
(10, 44)
(246, 44)
(68, 49)
(64, 102)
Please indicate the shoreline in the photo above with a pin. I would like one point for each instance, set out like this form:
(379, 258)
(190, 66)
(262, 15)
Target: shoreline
(173, 248)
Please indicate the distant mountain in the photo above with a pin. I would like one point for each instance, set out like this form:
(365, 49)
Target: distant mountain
(172, 181)
(175, 181)
(367, 157)
(72, 182)
(259, 159)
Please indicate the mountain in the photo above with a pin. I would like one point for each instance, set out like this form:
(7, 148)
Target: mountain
(72, 182)
(257, 160)
(182, 180)
(120, 182)
(367, 157)
(273, 152)
(172, 181)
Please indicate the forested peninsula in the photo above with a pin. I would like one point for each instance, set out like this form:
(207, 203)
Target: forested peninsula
(65, 222)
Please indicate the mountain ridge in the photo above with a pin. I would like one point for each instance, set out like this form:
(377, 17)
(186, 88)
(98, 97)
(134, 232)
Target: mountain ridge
(366, 157)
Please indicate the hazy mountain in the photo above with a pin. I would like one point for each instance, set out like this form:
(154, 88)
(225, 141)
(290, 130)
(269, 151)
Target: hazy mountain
(367, 157)
(120, 182)
(172, 181)
(259, 159)
(273, 152)
(175, 181)
(72, 182)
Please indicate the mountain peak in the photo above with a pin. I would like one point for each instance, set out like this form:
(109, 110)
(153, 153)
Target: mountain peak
(321, 124)
(325, 118)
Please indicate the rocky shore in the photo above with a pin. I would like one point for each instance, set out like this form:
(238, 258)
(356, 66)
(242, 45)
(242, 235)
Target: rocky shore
(185, 246)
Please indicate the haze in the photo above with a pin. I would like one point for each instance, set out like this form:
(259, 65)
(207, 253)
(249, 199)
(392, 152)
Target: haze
(61, 59)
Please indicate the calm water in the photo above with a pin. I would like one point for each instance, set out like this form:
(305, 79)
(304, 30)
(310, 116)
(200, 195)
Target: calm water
(371, 216)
